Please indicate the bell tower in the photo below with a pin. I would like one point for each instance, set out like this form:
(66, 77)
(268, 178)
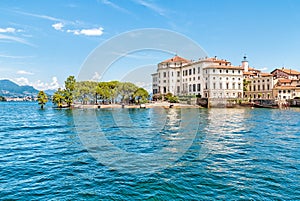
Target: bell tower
(245, 64)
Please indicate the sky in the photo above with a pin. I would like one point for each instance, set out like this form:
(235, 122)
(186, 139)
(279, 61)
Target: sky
(43, 42)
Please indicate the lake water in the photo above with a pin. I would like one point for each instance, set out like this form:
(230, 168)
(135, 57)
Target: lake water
(148, 154)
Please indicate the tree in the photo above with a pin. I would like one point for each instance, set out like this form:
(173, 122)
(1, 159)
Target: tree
(68, 92)
(126, 90)
(58, 98)
(42, 98)
(141, 95)
(246, 84)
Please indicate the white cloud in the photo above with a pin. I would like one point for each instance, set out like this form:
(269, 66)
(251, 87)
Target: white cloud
(115, 6)
(152, 7)
(23, 72)
(16, 39)
(22, 81)
(46, 17)
(58, 26)
(87, 32)
(96, 77)
(14, 57)
(7, 30)
(38, 84)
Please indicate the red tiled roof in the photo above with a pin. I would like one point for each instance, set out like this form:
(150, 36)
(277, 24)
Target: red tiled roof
(287, 71)
(224, 67)
(290, 71)
(266, 74)
(216, 60)
(285, 87)
(249, 73)
(176, 59)
(282, 80)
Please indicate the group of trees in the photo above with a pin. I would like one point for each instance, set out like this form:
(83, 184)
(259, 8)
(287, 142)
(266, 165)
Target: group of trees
(90, 92)
(109, 92)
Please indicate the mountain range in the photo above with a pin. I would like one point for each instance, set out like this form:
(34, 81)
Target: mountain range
(11, 89)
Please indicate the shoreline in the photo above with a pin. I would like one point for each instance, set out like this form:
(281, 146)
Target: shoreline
(146, 105)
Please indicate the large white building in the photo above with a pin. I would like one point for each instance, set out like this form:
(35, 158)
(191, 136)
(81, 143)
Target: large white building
(207, 77)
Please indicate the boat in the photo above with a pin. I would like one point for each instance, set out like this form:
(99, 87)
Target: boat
(264, 103)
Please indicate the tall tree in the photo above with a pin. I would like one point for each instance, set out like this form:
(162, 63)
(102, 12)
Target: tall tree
(42, 98)
(58, 98)
(141, 95)
(126, 90)
(70, 87)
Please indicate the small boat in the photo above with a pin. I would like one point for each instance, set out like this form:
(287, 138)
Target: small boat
(264, 103)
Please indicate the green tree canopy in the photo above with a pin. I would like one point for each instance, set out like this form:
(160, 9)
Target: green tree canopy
(141, 95)
(58, 98)
(42, 98)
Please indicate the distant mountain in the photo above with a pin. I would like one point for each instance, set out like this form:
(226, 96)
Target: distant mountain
(10, 89)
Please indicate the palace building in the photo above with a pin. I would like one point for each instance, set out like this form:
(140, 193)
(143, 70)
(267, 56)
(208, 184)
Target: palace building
(207, 77)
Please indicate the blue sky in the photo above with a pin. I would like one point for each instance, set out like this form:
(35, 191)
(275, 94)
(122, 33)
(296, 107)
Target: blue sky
(43, 42)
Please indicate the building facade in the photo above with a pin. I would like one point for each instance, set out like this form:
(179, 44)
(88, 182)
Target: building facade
(256, 83)
(207, 77)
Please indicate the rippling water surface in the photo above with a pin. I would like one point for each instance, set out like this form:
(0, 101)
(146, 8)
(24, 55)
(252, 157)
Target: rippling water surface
(227, 154)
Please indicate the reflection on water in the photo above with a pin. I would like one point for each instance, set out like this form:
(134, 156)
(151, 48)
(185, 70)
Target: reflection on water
(226, 154)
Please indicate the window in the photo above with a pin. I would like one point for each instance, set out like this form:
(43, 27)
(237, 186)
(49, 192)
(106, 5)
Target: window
(233, 85)
(214, 85)
(220, 85)
(194, 71)
(263, 87)
(198, 70)
(165, 74)
(239, 85)
(233, 71)
(268, 87)
(178, 89)
(214, 78)
(226, 71)
(254, 88)
(220, 71)
(172, 73)
(258, 88)
(178, 73)
(190, 88)
(190, 71)
(227, 85)
(214, 70)
(194, 87)
(198, 87)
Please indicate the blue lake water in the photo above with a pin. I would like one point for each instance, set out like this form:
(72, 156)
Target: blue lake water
(148, 154)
